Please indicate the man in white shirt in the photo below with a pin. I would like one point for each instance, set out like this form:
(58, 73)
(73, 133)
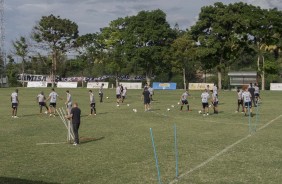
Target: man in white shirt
(118, 94)
(247, 99)
(15, 103)
(53, 101)
(205, 102)
(41, 101)
(92, 103)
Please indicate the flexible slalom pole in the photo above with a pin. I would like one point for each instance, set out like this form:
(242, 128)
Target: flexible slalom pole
(156, 157)
(176, 152)
(250, 126)
(257, 116)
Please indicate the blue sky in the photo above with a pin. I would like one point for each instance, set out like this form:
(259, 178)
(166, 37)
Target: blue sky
(90, 15)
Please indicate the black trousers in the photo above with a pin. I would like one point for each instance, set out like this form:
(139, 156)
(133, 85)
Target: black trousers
(101, 97)
(75, 127)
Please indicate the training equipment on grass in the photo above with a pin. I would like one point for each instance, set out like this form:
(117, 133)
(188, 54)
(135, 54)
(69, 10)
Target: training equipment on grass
(199, 112)
(134, 110)
(67, 123)
(156, 156)
(168, 109)
(127, 104)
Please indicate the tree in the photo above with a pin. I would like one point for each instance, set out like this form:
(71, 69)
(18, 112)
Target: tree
(57, 35)
(147, 39)
(20, 47)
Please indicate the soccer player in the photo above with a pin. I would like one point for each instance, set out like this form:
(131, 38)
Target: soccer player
(214, 89)
(53, 101)
(68, 102)
(247, 99)
(101, 92)
(41, 101)
(251, 89)
(184, 100)
(240, 100)
(123, 94)
(215, 102)
(92, 103)
(205, 103)
(118, 94)
(257, 96)
(15, 103)
(146, 96)
(151, 90)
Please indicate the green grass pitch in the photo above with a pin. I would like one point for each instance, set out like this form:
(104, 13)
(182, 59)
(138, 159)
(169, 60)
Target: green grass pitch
(116, 146)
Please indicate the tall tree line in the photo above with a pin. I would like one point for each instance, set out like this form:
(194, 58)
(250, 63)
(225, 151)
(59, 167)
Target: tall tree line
(229, 37)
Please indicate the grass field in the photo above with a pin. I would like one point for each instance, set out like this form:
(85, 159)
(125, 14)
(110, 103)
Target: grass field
(116, 146)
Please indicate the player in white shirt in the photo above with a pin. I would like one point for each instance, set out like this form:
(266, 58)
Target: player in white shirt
(53, 101)
(41, 101)
(247, 99)
(68, 102)
(215, 102)
(151, 90)
(92, 103)
(15, 103)
(123, 95)
(118, 94)
(184, 100)
(239, 100)
(257, 96)
(205, 102)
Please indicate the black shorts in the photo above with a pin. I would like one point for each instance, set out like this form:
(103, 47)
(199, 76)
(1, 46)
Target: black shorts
(205, 105)
(14, 105)
(215, 104)
(240, 102)
(248, 104)
(53, 105)
(256, 94)
(118, 96)
(42, 104)
(147, 101)
(92, 105)
(184, 102)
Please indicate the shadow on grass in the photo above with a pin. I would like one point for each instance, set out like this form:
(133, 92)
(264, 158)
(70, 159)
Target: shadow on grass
(84, 140)
(6, 180)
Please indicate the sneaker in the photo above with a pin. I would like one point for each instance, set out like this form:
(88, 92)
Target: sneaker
(16, 117)
(50, 115)
(75, 144)
(94, 114)
(12, 116)
(207, 114)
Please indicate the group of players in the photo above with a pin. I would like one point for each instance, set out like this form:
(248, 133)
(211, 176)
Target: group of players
(248, 97)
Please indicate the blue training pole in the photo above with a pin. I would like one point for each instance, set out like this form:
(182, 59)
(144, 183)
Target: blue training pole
(176, 152)
(156, 157)
(257, 116)
(250, 127)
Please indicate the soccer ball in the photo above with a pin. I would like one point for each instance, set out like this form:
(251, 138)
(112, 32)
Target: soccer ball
(127, 104)
(46, 112)
(199, 112)
(107, 97)
(134, 110)
(172, 106)
(209, 105)
(178, 103)
(117, 105)
(168, 109)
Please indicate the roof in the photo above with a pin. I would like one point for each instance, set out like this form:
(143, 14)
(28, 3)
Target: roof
(242, 73)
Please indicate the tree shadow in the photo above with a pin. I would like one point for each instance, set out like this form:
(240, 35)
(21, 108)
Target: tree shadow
(84, 140)
(6, 180)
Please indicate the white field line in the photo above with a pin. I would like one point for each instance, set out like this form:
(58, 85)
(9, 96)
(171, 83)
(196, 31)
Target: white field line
(221, 152)
(46, 143)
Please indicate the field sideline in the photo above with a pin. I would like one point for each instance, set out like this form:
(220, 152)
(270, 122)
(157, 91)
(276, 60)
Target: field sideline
(116, 146)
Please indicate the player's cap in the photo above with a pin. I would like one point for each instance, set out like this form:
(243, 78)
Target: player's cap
(67, 91)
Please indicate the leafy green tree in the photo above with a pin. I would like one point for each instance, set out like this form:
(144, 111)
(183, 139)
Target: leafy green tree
(56, 35)
(21, 49)
(147, 40)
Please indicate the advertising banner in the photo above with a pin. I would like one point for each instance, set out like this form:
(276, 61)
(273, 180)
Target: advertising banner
(67, 85)
(200, 86)
(276, 86)
(96, 85)
(37, 84)
(132, 85)
(164, 86)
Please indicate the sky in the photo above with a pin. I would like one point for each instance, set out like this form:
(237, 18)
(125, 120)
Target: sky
(90, 15)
